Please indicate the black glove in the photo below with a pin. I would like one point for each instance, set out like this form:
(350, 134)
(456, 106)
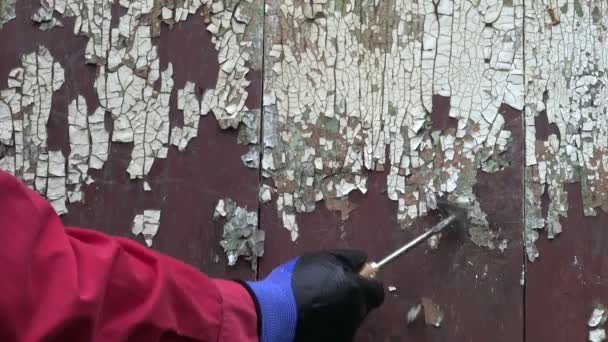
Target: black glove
(318, 297)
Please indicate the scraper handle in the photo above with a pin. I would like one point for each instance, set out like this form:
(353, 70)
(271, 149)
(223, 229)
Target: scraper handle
(369, 270)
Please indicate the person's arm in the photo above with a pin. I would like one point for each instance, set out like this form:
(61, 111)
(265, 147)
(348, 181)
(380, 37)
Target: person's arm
(70, 284)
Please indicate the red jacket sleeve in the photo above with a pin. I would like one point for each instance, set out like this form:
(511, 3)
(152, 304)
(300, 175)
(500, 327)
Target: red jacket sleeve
(70, 284)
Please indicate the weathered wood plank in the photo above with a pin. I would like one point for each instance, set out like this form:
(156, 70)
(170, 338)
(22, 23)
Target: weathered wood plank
(568, 280)
(385, 106)
(565, 156)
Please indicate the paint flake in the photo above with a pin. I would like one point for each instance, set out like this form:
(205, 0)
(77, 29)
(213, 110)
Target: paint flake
(413, 313)
(598, 316)
(433, 241)
(266, 192)
(249, 129)
(7, 11)
(597, 335)
(241, 236)
(100, 139)
(78, 159)
(147, 225)
(44, 18)
(432, 313)
(251, 159)
(188, 103)
(56, 182)
(504, 244)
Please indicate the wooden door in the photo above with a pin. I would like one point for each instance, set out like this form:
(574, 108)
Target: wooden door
(331, 123)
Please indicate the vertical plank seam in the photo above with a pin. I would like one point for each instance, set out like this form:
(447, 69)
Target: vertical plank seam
(261, 131)
(523, 218)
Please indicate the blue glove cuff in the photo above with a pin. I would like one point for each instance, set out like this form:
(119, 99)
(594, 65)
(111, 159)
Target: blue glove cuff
(277, 304)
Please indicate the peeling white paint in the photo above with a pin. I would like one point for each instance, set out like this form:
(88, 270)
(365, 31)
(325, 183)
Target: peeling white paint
(127, 75)
(265, 194)
(141, 114)
(25, 108)
(147, 225)
(44, 18)
(80, 147)
(189, 104)
(504, 244)
(433, 241)
(241, 236)
(597, 335)
(413, 313)
(566, 82)
(56, 191)
(232, 38)
(360, 85)
(348, 86)
(598, 316)
(100, 139)
(93, 18)
(251, 159)
(7, 11)
(129, 66)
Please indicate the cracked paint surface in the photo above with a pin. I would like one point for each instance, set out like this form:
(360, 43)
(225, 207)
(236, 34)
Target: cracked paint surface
(314, 119)
(89, 146)
(7, 11)
(352, 91)
(45, 19)
(147, 225)
(598, 317)
(265, 193)
(566, 78)
(188, 103)
(92, 20)
(348, 88)
(125, 87)
(597, 335)
(80, 147)
(128, 69)
(241, 236)
(25, 107)
(132, 88)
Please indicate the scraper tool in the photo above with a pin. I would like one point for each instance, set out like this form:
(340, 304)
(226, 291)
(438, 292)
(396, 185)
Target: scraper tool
(456, 217)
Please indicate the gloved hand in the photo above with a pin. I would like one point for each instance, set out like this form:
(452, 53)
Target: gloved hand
(318, 297)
